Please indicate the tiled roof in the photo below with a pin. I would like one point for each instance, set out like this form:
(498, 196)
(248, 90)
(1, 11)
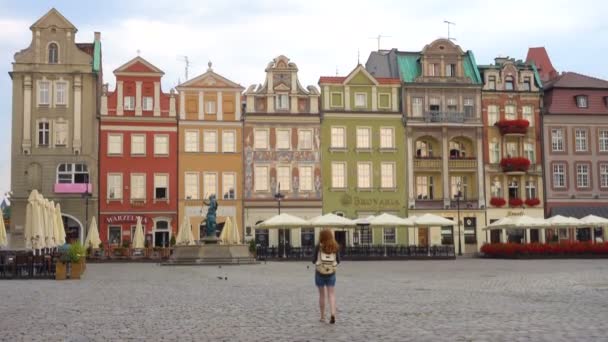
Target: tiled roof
(576, 80)
(410, 68)
(540, 57)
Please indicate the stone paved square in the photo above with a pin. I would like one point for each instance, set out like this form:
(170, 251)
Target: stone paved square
(456, 300)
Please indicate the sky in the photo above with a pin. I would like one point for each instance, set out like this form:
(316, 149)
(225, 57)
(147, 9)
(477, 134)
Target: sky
(322, 37)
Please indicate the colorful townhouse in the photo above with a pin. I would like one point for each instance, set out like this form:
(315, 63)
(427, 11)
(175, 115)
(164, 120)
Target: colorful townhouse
(210, 150)
(363, 153)
(138, 157)
(575, 132)
(511, 105)
(441, 96)
(56, 88)
(282, 155)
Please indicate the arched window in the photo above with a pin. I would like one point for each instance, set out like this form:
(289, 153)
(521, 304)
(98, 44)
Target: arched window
(457, 150)
(53, 53)
(424, 149)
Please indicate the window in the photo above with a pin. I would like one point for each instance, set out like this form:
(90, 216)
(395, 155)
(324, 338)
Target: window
(557, 140)
(338, 175)
(364, 175)
(306, 178)
(229, 141)
(581, 101)
(129, 103)
(114, 186)
(527, 83)
(61, 133)
(209, 184)
(360, 100)
(60, 93)
(191, 141)
(434, 104)
(336, 100)
(148, 103)
(424, 149)
(387, 175)
(494, 151)
(161, 184)
(492, 82)
(114, 144)
(138, 186)
(338, 137)
(582, 175)
(260, 138)
(261, 178)
(528, 114)
(450, 70)
(559, 175)
(364, 138)
(43, 133)
(604, 175)
(115, 235)
(496, 188)
(530, 189)
(389, 235)
(191, 187)
(452, 104)
(305, 139)
(72, 174)
(209, 141)
(434, 69)
(493, 115)
(457, 149)
(509, 84)
(229, 185)
(282, 101)
(513, 189)
(510, 112)
(424, 187)
(53, 53)
(138, 144)
(387, 137)
(307, 237)
(603, 140)
(529, 152)
(210, 107)
(417, 106)
(284, 177)
(454, 182)
(469, 108)
(43, 93)
(580, 140)
(161, 145)
(283, 139)
(512, 149)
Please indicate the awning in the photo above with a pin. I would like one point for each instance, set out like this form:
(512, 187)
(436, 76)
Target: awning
(580, 212)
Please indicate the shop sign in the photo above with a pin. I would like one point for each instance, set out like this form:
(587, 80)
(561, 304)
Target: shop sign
(117, 219)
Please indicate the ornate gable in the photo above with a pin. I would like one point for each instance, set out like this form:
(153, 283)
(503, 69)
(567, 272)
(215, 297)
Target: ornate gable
(138, 65)
(360, 76)
(210, 79)
(52, 19)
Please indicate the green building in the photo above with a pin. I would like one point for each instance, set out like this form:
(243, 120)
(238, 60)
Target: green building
(363, 153)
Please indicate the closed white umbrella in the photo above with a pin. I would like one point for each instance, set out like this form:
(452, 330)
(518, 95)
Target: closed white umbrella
(432, 220)
(59, 223)
(389, 220)
(331, 220)
(596, 221)
(30, 219)
(49, 208)
(230, 234)
(283, 221)
(138, 239)
(3, 239)
(39, 238)
(92, 239)
(184, 234)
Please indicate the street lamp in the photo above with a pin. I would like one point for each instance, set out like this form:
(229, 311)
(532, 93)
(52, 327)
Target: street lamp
(279, 196)
(86, 195)
(458, 187)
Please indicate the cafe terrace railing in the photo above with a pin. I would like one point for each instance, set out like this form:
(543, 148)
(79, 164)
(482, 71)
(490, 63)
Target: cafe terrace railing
(371, 252)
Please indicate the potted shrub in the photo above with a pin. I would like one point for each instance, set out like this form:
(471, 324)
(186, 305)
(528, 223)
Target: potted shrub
(61, 265)
(498, 202)
(252, 247)
(76, 255)
(516, 202)
(532, 202)
(101, 249)
(172, 241)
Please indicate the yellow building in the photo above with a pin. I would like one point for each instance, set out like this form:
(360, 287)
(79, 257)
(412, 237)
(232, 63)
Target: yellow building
(210, 150)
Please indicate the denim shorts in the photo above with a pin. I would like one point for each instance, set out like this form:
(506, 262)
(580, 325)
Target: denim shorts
(325, 280)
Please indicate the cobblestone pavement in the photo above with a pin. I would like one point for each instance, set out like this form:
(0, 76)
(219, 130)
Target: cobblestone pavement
(462, 300)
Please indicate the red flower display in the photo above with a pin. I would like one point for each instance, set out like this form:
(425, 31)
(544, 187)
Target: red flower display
(516, 202)
(517, 126)
(563, 249)
(497, 202)
(532, 202)
(516, 164)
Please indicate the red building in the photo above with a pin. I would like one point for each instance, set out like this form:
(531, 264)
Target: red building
(138, 157)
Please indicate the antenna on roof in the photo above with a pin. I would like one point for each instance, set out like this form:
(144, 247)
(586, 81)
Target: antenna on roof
(358, 56)
(138, 52)
(378, 38)
(187, 64)
(449, 23)
(336, 70)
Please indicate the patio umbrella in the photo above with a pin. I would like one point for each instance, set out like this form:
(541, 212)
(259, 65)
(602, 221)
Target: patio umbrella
(283, 221)
(331, 220)
(59, 224)
(596, 221)
(385, 220)
(3, 240)
(92, 239)
(432, 220)
(184, 234)
(230, 233)
(49, 228)
(364, 220)
(39, 239)
(499, 224)
(30, 219)
(138, 239)
(564, 222)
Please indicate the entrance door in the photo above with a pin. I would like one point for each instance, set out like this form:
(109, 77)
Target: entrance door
(494, 236)
(284, 242)
(423, 237)
(72, 230)
(340, 237)
(534, 235)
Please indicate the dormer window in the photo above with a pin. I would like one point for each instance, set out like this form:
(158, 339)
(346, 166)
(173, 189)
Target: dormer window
(527, 83)
(509, 83)
(434, 69)
(450, 70)
(492, 82)
(581, 101)
(53, 53)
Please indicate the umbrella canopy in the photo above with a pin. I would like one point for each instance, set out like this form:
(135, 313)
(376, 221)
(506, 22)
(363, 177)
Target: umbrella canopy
(385, 219)
(331, 220)
(283, 221)
(49, 228)
(3, 240)
(596, 221)
(59, 224)
(432, 220)
(138, 239)
(184, 234)
(230, 233)
(38, 237)
(563, 221)
(30, 219)
(92, 239)
(500, 223)
(364, 220)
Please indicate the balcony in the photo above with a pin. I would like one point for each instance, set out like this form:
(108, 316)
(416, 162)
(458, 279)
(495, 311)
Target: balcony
(428, 203)
(444, 117)
(427, 163)
(73, 188)
(513, 127)
(462, 163)
(515, 166)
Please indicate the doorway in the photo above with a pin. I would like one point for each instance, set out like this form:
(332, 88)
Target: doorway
(340, 237)
(284, 242)
(423, 237)
(73, 229)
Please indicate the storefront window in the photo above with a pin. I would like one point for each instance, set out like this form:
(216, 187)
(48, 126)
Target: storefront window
(114, 235)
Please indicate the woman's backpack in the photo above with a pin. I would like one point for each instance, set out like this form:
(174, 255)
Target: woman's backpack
(326, 263)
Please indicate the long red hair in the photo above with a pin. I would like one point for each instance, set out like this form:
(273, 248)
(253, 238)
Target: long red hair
(327, 242)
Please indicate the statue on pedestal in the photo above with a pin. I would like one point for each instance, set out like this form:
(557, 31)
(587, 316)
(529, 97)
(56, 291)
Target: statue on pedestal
(211, 224)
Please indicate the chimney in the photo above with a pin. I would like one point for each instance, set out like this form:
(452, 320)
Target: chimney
(97, 36)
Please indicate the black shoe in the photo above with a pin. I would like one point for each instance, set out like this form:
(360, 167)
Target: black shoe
(332, 320)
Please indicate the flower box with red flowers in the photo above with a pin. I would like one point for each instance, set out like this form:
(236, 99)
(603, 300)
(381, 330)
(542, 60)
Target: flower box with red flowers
(516, 202)
(517, 126)
(574, 249)
(497, 202)
(516, 164)
(532, 202)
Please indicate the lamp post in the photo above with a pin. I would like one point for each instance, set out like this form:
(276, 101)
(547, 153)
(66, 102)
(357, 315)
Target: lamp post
(279, 196)
(458, 187)
(86, 194)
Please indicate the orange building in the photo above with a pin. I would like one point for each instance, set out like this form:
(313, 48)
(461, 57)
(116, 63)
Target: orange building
(210, 150)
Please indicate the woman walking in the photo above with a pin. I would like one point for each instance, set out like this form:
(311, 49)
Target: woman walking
(326, 259)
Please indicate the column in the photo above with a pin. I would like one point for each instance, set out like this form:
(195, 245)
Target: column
(270, 103)
(442, 66)
(156, 98)
(119, 98)
(220, 109)
(26, 143)
(237, 105)
(445, 166)
(270, 82)
(374, 98)
(395, 99)
(77, 112)
(481, 201)
(346, 98)
(182, 105)
(326, 97)
(503, 235)
(527, 235)
(410, 169)
(293, 103)
(201, 105)
(138, 98)
(542, 235)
